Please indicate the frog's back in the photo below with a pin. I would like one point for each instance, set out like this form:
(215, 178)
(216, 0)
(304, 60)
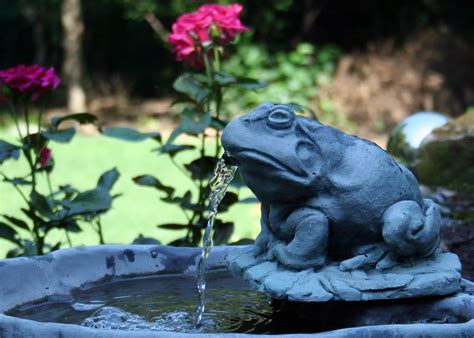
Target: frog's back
(367, 180)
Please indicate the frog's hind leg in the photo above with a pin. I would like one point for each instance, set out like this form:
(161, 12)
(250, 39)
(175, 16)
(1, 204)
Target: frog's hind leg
(366, 256)
(308, 248)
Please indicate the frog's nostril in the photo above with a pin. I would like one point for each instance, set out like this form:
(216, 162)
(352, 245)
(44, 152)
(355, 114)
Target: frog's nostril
(281, 118)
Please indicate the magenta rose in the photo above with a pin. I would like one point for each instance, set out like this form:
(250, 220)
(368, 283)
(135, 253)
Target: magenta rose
(32, 79)
(45, 156)
(192, 29)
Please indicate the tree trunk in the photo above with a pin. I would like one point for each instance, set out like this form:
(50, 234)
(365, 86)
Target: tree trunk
(34, 12)
(73, 29)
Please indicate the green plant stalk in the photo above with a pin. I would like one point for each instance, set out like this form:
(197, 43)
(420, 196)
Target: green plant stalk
(16, 188)
(218, 98)
(181, 170)
(100, 231)
(68, 238)
(173, 161)
(14, 115)
(32, 164)
(50, 186)
(208, 68)
(38, 134)
(217, 63)
(39, 241)
(198, 215)
(27, 119)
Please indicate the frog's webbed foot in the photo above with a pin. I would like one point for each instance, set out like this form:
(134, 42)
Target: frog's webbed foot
(295, 261)
(387, 262)
(367, 256)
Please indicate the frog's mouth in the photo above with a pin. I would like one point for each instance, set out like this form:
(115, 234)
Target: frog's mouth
(260, 157)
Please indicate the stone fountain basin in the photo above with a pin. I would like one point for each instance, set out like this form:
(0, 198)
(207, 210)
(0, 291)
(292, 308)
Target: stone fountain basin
(26, 280)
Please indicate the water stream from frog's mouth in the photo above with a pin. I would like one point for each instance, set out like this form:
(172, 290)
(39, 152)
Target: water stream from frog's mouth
(222, 176)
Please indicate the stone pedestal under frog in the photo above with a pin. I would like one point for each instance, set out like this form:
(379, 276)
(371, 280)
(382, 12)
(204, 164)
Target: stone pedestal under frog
(328, 197)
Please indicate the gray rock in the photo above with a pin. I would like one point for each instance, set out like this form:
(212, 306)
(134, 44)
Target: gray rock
(446, 156)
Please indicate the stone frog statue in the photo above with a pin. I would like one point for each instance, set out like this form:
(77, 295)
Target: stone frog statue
(328, 196)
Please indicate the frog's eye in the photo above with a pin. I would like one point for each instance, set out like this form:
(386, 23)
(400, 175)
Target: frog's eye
(281, 118)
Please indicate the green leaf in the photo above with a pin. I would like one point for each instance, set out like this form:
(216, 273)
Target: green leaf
(67, 190)
(151, 181)
(229, 199)
(18, 222)
(141, 240)
(8, 233)
(173, 149)
(8, 151)
(129, 134)
(17, 181)
(90, 202)
(41, 204)
(249, 200)
(48, 168)
(71, 226)
(60, 136)
(82, 118)
(218, 123)
(35, 141)
(193, 124)
(186, 202)
(243, 241)
(14, 253)
(192, 85)
(173, 226)
(31, 215)
(108, 179)
(67, 223)
(224, 79)
(222, 232)
(201, 167)
(250, 84)
(55, 247)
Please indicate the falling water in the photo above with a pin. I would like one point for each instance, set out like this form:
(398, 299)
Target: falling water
(221, 178)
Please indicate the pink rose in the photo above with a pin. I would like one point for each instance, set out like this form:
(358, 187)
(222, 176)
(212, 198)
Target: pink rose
(45, 156)
(191, 29)
(226, 19)
(33, 79)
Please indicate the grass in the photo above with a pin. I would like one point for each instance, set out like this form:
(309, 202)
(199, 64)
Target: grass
(139, 210)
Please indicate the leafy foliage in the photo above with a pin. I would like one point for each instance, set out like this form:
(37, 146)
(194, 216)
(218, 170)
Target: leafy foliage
(200, 117)
(202, 95)
(129, 134)
(293, 76)
(63, 208)
(8, 151)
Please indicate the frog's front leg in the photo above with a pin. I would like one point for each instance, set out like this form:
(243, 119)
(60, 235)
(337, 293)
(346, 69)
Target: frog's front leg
(265, 236)
(308, 248)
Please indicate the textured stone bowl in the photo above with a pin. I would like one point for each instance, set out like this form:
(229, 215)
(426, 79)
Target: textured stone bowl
(25, 280)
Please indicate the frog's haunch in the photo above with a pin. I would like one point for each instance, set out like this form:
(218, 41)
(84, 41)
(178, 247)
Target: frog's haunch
(409, 231)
